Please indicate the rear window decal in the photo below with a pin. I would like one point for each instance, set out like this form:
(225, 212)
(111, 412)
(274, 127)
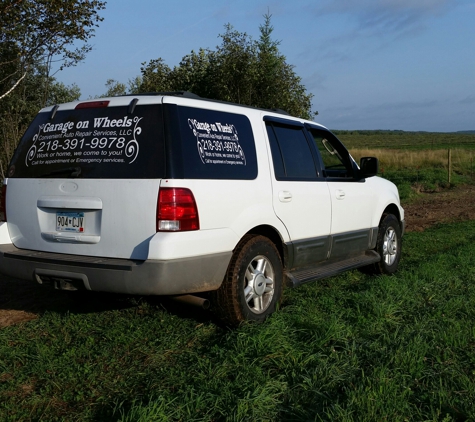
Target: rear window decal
(97, 140)
(91, 143)
(217, 143)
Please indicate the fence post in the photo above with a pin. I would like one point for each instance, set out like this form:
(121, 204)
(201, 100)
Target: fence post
(471, 165)
(449, 165)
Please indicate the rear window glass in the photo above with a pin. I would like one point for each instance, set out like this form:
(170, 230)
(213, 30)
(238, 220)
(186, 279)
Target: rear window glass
(93, 143)
(216, 145)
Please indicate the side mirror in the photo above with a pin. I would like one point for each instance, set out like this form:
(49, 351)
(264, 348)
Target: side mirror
(369, 167)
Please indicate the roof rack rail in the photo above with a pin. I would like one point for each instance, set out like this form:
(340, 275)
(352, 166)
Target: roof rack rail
(280, 111)
(186, 94)
(53, 112)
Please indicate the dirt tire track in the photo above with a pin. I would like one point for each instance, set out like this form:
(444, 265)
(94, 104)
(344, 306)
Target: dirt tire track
(456, 204)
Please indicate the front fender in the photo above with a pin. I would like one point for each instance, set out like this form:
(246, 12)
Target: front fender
(387, 197)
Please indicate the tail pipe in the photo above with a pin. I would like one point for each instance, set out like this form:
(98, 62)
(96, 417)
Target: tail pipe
(192, 300)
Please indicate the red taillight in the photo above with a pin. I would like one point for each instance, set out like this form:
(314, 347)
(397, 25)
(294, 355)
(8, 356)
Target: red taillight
(177, 210)
(3, 204)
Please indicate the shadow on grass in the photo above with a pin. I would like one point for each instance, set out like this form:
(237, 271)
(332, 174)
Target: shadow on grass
(22, 300)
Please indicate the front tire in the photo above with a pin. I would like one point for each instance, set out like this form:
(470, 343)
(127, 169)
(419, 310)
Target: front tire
(388, 245)
(252, 287)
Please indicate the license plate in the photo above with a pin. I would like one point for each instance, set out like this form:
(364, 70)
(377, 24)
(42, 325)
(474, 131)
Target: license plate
(70, 221)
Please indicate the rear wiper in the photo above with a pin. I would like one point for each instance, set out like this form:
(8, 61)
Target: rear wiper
(68, 171)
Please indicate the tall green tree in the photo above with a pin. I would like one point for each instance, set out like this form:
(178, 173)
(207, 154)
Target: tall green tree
(38, 38)
(49, 32)
(18, 109)
(114, 88)
(194, 73)
(155, 76)
(276, 81)
(240, 70)
(235, 68)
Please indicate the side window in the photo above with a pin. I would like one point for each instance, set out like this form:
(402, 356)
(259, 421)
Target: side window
(291, 154)
(336, 160)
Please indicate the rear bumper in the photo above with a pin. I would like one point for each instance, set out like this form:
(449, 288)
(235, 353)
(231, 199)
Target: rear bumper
(151, 277)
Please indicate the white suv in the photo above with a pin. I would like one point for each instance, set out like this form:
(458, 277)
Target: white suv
(171, 194)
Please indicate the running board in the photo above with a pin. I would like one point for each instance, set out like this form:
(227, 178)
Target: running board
(328, 270)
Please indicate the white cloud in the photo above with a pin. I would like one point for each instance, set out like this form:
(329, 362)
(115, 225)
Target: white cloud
(390, 15)
(468, 100)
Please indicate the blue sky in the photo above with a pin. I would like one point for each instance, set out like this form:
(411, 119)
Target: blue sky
(371, 64)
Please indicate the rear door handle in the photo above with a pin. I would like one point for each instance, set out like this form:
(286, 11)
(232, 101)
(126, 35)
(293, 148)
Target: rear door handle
(340, 194)
(285, 196)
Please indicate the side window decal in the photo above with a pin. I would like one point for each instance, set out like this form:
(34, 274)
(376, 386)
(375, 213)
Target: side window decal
(217, 143)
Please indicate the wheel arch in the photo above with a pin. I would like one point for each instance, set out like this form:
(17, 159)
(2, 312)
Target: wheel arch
(392, 209)
(390, 206)
(274, 236)
(247, 281)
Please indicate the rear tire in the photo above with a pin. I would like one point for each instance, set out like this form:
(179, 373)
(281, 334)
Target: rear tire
(252, 287)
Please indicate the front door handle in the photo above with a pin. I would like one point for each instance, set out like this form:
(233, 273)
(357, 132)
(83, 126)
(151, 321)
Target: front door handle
(285, 196)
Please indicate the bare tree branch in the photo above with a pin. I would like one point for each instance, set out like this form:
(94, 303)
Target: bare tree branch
(14, 86)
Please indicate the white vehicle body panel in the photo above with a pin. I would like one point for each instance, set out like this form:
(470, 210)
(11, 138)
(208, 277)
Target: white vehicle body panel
(304, 207)
(386, 194)
(352, 206)
(5, 238)
(120, 216)
(223, 218)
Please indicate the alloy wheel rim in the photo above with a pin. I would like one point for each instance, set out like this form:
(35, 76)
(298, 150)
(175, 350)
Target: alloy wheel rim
(259, 284)
(390, 245)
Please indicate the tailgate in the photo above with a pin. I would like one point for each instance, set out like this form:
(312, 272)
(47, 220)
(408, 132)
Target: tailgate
(107, 218)
(85, 177)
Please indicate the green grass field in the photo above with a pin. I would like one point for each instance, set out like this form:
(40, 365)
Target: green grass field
(350, 348)
(416, 161)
